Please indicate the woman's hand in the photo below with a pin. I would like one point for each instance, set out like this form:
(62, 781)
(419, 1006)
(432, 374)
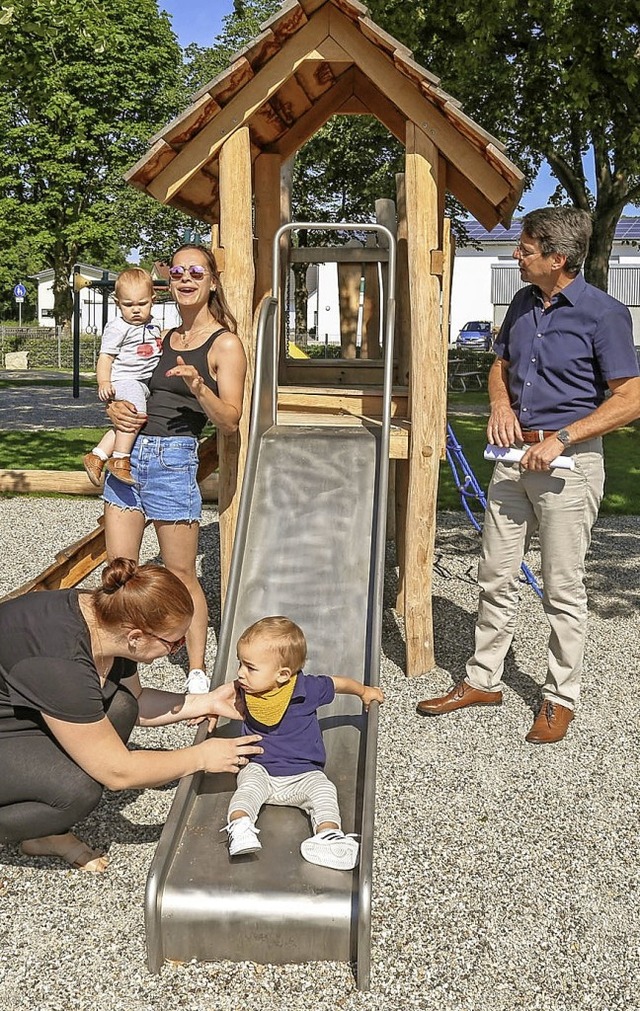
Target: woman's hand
(222, 701)
(223, 754)
(124, 416)
(189, 373)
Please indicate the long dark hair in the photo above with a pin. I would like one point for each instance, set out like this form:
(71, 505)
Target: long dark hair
(218, 305)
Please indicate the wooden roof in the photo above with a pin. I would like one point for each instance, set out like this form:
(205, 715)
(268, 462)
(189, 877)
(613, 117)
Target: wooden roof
(312, 60)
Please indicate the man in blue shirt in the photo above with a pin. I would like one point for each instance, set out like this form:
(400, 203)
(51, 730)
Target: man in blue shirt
(563, 346)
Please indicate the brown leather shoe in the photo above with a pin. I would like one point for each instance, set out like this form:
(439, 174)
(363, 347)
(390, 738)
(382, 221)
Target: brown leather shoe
(460, 696)
(551, 723)
(120, 467)
(93, 466)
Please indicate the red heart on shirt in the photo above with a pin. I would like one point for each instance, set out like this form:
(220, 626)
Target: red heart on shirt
(144, 350)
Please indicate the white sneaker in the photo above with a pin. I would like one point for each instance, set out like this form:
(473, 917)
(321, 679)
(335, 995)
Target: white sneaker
(243, 837)
(331, 848)
(197, 682)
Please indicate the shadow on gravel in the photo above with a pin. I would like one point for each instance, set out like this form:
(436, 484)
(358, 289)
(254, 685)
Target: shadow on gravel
(613, 569)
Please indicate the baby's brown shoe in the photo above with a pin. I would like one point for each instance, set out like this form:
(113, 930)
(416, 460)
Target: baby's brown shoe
(120, 467)
(93, 466)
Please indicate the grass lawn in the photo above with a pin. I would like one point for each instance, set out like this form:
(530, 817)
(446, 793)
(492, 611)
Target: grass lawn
(64, 449)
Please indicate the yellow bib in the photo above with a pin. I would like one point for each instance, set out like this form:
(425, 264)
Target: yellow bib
(270, 707)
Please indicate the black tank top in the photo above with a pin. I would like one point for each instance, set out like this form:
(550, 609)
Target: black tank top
(171, 408)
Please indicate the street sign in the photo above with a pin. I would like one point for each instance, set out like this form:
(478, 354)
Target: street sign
(19, 291)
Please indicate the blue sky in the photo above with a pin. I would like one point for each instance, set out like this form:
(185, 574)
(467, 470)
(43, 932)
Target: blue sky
(201, 23)
(196, 22)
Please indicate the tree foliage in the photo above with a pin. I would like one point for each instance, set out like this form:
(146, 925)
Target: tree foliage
(555, 80)
(83, 87)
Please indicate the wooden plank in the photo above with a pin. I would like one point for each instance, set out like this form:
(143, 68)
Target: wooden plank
(267, 219)
(316, 77)
(71, 566)
(352, 9)
(379, 106)
(355, 401)
(418, 108)
(236, 235)
(266, 125)
(428, 397)
(260, 50)
(338, 254)
(232, 81)
(189, 122)
(66, 482)
(387, 43)
(311, 6)
(154, 162)
(448, 250)
(291, 102)
(317, 116)
(72, 482)
(286, 21)
(471, 198)
(207, 144)
(402, 342)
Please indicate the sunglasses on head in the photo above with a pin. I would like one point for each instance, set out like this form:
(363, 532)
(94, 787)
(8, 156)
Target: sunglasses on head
(196, 271)
(172, 645)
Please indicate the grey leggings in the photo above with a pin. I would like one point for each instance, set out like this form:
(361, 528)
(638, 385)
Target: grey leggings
(42, 791)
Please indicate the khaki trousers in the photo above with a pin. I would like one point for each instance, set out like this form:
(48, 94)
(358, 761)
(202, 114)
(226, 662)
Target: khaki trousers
(562, 506)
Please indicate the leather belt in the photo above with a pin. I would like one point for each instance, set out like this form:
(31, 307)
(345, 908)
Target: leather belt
(538, 435)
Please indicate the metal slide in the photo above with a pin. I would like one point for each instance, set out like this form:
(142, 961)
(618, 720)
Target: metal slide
(309, 544)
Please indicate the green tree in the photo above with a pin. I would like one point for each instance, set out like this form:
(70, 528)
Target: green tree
(553, 79)
(81, 92)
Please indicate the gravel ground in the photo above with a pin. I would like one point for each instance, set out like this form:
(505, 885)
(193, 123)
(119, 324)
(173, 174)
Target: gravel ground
(505, 875)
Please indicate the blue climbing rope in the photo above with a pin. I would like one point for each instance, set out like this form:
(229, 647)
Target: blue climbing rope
(471, 491)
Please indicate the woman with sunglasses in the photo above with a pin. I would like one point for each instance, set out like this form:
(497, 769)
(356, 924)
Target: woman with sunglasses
(200, 377)
(70, 697)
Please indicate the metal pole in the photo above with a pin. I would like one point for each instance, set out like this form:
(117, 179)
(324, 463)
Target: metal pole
(76, 337)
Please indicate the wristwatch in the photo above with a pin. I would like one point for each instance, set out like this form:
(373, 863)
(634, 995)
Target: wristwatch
(563, 437)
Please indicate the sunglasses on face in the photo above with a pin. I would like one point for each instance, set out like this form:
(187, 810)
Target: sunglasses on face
(196, 271)
(172, 645)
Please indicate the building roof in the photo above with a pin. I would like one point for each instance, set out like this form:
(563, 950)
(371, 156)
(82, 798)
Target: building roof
(626, 229)
(315, 59)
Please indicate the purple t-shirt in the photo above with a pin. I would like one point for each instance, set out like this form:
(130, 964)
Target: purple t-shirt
(561, 358)
(295, 744)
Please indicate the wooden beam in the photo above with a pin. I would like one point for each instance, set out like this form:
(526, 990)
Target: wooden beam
(419, 109)
(206, 144)
(268, 217)
(379, 105)
(428, 396)
(338, 254)
(317, 116)
(472, 199)
(236, 235)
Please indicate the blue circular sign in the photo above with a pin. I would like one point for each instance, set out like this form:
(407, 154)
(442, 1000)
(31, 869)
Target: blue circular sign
(19, 291)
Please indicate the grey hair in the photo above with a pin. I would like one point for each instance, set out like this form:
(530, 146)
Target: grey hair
(564, 230)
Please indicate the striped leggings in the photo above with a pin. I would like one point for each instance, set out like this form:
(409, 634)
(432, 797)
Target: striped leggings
(310, 791)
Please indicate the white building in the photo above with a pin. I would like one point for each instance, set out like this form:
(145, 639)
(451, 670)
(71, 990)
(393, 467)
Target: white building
(485, 279)
(91, 300)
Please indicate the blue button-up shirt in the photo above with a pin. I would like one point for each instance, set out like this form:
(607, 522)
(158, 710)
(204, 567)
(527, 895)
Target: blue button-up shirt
(561, 358)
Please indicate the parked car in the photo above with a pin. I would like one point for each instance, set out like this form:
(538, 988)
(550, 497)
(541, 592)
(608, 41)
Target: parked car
(475, 334)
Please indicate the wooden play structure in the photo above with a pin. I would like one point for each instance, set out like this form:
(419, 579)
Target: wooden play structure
(227, 160)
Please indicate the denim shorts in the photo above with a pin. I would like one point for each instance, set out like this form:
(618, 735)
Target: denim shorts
(165, 470)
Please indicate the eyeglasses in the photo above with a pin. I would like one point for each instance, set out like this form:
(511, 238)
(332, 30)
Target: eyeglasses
(196, 271)
(172, 645)
(524, 253)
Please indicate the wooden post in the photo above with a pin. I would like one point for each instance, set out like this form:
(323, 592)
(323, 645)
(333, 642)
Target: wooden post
(386, 215)
(403, 357)
(349, 275)
(428, 395)
(370, 347)
(268, 219)
(236, 236)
